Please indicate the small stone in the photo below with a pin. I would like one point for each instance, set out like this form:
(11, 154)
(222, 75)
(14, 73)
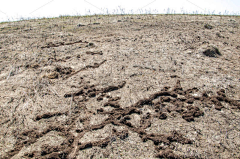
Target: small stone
(80, 25)
(53, 75)
(208, 26)
(90, 45)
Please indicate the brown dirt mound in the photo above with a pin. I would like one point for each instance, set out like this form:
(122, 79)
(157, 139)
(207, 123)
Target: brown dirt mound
(212, 51)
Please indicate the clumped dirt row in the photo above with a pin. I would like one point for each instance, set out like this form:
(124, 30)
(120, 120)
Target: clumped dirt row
(66, 72)
(49, 45)
(120, 117)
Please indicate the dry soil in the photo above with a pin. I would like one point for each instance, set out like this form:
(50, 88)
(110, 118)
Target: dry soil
(132, 86)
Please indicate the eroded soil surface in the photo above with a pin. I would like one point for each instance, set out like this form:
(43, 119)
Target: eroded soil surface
(149, 86)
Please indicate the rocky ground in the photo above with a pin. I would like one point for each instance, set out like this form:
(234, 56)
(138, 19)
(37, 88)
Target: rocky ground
(133, 86)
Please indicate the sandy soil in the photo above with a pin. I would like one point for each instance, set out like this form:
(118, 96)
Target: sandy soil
(136, 86)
